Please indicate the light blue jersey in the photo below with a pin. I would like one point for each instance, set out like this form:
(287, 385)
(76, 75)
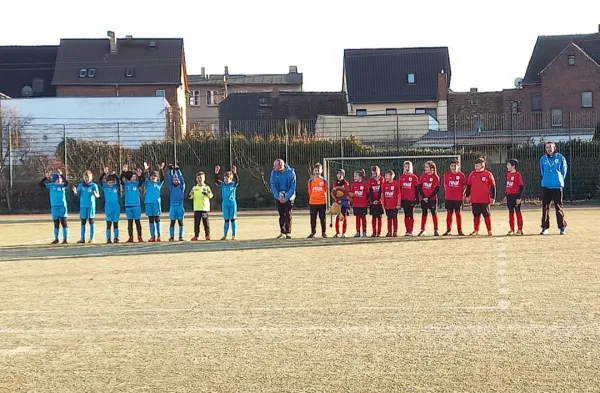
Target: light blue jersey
(87, 195)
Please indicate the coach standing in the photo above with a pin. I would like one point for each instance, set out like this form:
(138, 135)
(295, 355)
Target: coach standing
(553, 166)
(283, 187)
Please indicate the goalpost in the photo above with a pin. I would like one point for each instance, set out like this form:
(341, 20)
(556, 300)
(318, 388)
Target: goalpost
(350, 164)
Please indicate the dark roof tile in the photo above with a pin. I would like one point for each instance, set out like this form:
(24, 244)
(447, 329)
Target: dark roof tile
(381, 75)
(548, 47)
(161, 64)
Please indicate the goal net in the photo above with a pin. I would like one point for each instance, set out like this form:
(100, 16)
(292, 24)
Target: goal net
(350, 164)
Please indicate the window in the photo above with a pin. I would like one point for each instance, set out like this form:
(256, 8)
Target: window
(572, 60)
(129, 72)
(557, 117)
(194, 98)
(411, 79)
(92, 73)
(214, 128)
(83, 72)
(391, 111)
(536, 103)
(240, 91)
(586, 99)
(38, 85)
(473, 101)
(263, 102)
(515, 107)
(211, 98)
(430, 111)
(160, 93)
(361, 112)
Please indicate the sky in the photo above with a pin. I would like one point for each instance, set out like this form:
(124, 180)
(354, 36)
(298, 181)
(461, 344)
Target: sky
(490, 42)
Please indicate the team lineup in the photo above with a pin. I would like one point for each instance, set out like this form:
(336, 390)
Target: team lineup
(378, 195)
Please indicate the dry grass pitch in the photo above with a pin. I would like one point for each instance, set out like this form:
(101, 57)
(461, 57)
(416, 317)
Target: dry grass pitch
(434, 315)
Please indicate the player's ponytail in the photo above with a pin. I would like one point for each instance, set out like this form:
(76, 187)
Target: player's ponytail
(432, 166)
(410, 164)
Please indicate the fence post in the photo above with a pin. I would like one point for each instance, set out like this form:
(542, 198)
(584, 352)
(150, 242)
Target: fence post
(455, 131)
(119, 145)
(570, 166)
(341, 143)
(287, 137)
(10, 159)
(65, 150)
(397, 135)
(230, 145)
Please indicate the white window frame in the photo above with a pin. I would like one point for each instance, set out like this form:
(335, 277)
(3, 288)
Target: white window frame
(83, 73)
(211, 98)
(391, 111)
(194, 99)
(571, 60)
(557, 117)
(91, 73)
(587, 99)
(361, 112)
(160, 93)
(240, 91)
(411, 79)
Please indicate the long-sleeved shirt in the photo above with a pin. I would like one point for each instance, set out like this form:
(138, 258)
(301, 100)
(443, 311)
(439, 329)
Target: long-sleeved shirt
(283, 184)
(177, 191)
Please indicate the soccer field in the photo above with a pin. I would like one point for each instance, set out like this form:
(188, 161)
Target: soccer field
(499, 314)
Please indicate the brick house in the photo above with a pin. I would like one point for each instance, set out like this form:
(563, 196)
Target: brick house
(125, 67)
(27, 71)
(561, 89)
(208, 91)
(398, 81)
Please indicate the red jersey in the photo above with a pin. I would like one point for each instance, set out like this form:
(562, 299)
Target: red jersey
(454, 186)
(346, 187)
(408, 186)
(514, 182)
(482, 185)
(391, 195)
(376, 193)
(429, 183)
(360, 190)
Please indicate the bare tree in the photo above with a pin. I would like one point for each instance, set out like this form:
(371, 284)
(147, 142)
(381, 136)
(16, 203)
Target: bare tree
(248, 162)
(15, 149)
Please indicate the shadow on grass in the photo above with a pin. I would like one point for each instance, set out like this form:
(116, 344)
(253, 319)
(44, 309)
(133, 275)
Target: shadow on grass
(70, 251)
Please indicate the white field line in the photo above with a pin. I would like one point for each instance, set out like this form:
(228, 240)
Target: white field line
(343, 329)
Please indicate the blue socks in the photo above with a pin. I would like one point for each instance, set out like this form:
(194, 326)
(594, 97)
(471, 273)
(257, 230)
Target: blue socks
(116, 233)
(234, 228)
(83, 232)
(108, 234)
(226, 227)
(92, 231)
(56, 233)
(65, 233)
(158, 228)
(181, 232)
(172, 232)
(152, 230)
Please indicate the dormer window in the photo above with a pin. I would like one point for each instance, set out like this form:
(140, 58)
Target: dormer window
(83, 72)
(91, 73)
(129, 72)
(411, 79)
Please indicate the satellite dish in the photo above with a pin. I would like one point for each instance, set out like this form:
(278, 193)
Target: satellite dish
(519, 83)
(27, 91)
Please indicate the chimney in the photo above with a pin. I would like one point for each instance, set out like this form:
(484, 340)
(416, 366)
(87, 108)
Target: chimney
(226, 70)
(598, 29)
(202, 72)
(443, 86)
(473, 90)
(129, 37)
(293, 69)
(112, 39)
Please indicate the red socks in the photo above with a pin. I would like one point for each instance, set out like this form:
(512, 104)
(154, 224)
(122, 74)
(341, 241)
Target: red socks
(434, 217)
(423, 222)
(377, 224)
(511, 221)
(344, 225)
(520, 221)
(459, 221)
(449, 221)
(395, 225)
(488, 223)
(477, 223)
(361, 222)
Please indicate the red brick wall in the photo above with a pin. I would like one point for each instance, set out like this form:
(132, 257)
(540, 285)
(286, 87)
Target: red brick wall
(563, 84)
(466, 108)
